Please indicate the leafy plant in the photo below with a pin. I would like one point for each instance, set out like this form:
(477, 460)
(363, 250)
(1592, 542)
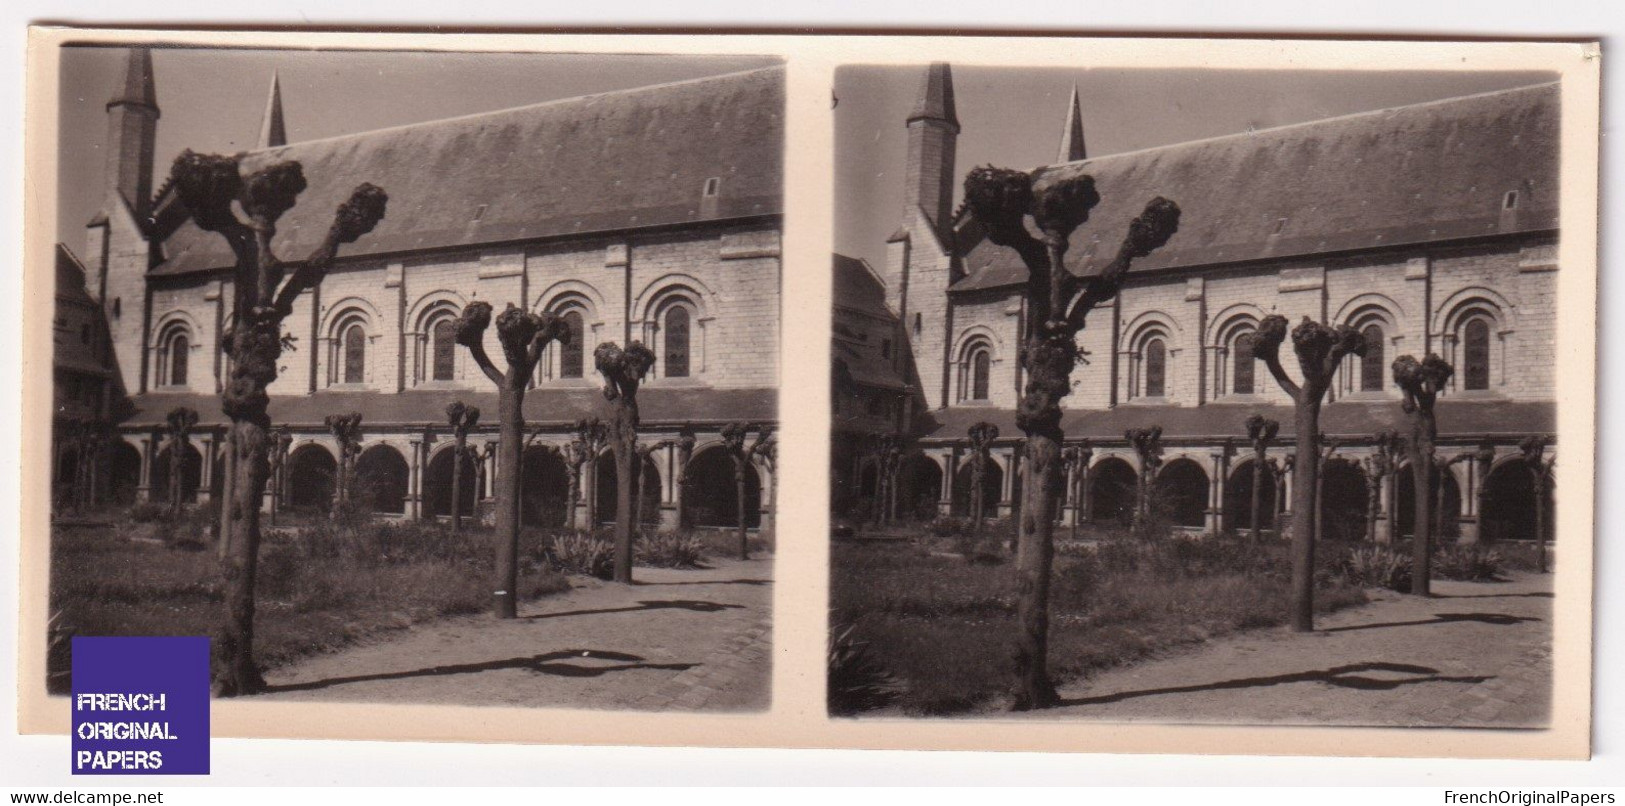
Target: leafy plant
(1376, 567)
(584, 555)
(1467, 564)
(857, 682)
(670, 550)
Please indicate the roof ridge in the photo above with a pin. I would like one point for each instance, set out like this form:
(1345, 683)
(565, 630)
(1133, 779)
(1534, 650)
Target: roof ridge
(1304, 123)
(522, 107)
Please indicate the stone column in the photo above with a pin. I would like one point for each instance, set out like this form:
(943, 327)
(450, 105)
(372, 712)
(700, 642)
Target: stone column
(1387, 524)
(206, 474)
(143, 490)
(1069, 503)
(945, 496)
(670, 491)
(1213, 521)
(1006, 507)
(1467, 482)
(414, 483)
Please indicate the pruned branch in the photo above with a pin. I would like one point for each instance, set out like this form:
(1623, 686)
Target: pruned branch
(470, 330)
(622, 369)
(1267, 348)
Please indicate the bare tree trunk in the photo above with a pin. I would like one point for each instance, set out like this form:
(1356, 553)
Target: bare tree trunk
(1258, 498)
(1304, 520)
(623, 430)
(1540, 519)
(1421, 382)
(510, 454)
(457, 486)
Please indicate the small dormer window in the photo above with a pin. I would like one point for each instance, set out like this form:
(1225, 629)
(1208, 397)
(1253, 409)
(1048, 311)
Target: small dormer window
(712, 185)
(885, 348)
(916, 324)
(1511, 200)
(479, 212)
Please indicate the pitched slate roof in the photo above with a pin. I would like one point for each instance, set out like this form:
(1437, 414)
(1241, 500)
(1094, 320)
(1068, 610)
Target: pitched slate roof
(857, 288)
(550, 407)
(1414, 174)
(614, 161)
(1352, 420)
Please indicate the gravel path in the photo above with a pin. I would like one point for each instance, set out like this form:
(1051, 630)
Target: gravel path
(677, 640)
(1474, 655)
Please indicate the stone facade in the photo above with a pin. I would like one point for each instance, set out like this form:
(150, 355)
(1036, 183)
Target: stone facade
(1471, 276)
(701, 288)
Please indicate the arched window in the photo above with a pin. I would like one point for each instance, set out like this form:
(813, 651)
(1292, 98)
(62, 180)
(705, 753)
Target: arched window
(1372, 366)
(443, 347)
(676, 328)
(1475, 354)
(180, 348)
(355, 354)
(981, 365)
(1241, 378)
(174, 352)
(572, 353)
(1156, 368)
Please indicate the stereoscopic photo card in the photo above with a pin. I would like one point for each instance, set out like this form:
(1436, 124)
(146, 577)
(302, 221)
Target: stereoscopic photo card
(1140, 395)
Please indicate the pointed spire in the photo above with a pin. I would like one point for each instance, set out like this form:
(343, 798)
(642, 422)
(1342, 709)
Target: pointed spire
(138, 88)
(1072, 148)
(272, 131)
(936, 101)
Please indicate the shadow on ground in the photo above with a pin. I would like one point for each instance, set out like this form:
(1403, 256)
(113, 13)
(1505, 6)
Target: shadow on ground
(550, 663)
(658, 604)
(1341, 676)
(1500, 619)
(704, 582)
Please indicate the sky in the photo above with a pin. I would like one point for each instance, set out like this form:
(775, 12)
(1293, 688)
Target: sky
(1013, 118)
(213, 100)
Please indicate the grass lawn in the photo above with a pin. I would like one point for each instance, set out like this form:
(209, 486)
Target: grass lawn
(944, 626)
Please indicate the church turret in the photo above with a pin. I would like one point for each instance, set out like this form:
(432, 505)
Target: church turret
(273, 133)
(1072, 148)
(132, 133)
(933, 132)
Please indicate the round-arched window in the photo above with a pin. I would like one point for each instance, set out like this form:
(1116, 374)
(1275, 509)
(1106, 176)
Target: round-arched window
(572, 354)
(443, 350)
(1156, 368)
(355, 354)
(676, 326)
(1475, 354)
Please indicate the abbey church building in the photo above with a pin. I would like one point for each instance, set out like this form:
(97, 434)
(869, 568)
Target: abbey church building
(1431, 228)
(651, 213)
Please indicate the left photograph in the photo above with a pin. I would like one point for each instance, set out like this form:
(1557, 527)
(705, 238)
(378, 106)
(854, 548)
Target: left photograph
(421, 377)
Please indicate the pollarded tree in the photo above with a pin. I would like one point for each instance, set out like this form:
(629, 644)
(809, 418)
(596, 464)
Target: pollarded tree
(623, 372)
(1147, 445)
(1058, 202)
(1076, 458)
(181, 420)
(346, 429)
(733, 442)
(888, 450)
(982, 436)
(278, 461)
(1320, 350)
(641, 453)
(462, 418)
(592, 437)
(1328, 451)
(1379, 468)
(685, 452)
(1540, 472)
(523, 335)
(264, 290)
(1261, 432)
(1421, 382)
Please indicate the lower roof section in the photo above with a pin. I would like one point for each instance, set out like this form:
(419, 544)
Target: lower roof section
(657, 406)
(1457, 418)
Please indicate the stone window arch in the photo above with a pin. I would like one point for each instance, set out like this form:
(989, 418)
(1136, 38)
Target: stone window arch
(1149, 363)
(676, 319)
(349, 348)
(1475, 326)
(1235, 371)
(1370, 374)
(976, 370)
(175, 343)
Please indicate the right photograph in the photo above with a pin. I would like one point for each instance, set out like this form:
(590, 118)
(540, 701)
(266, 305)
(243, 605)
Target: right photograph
(1195, 395)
